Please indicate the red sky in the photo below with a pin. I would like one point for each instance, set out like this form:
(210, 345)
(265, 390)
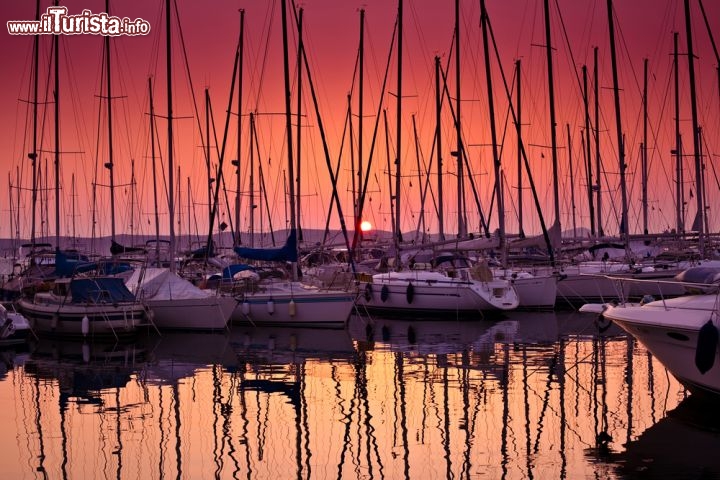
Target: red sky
(331, 34)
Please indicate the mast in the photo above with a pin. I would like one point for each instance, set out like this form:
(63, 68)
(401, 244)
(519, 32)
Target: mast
(679, 193)
(253, 140)
(462, 227)
(154, 170)
(572, 180)
(493, 135)
(361, 101)
(34, 154)
(624, 227)
(208, 165)
(299, 118)
(237, 163)
(598, 188)
(644, 149)
(588, 155)
(398, 140)
(288, 127)
(551, 99)
(438, 145)
(699, 190)
(110, 164)
(56, 43)
(171, 164)
(518, 130)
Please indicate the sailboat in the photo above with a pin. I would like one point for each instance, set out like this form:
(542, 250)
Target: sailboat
(288, 301)
(84, 306)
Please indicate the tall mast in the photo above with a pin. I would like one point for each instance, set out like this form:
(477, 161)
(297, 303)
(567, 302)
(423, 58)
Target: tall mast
(462, 227)
(33, 156)
(695, 132)
(208, 163)
(518, 131)
(553, 127)
(438, 145)
(398, 151)
(110, 164)
(493, 134)
(253, 142)
(679, 194)
(56, 43)
(288, 127)
(598, 187)
(644, 149)
(171, 165)
(624, 227)
(588, 155)
(154, 170)
(299, 119)
(237, 162)
(361, 100)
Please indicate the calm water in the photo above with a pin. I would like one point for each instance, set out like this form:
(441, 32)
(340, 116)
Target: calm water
(522, 398)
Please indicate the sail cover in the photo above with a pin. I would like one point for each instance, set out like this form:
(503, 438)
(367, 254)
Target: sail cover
(286, 253)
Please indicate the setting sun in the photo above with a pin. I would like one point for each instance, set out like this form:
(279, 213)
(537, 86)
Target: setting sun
(365, 226)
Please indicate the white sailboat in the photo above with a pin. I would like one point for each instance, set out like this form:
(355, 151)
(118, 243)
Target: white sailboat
(174, 303)
(448, 285)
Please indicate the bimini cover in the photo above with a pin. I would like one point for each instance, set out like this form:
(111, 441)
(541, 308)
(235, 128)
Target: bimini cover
(162, 284)
(286, 253)
(100, 290)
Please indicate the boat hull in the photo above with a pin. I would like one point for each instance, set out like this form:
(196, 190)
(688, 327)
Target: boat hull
(103, 320)
(200, 314)
(289, 305)
(670, 330)
(432, 295)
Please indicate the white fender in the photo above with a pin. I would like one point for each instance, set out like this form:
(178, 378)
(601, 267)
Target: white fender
(85, 326)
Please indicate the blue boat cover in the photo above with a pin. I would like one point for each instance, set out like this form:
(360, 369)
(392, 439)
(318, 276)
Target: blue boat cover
(286, 253)
(100, 290)
(67, 265)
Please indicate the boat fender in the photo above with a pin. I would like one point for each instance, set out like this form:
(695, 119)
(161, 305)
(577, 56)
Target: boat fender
(706, 347)
(412, 338)
(291, 308)
(86, 352)
(85, 326)
(410, 292)
(385, 330)
(602, 322)
(368, 292)
(54, 321)
(369, 332)
(270, 307)
(246, 308)
(384, 293)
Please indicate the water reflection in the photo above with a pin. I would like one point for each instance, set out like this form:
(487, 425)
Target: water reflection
(536, 395)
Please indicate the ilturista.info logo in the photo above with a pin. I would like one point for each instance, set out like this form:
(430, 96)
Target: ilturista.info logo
(56, 21)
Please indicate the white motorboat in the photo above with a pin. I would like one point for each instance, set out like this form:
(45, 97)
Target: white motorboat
(682, 333)
(14, 327)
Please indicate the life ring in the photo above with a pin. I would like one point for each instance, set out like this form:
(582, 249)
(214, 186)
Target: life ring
(368, 292)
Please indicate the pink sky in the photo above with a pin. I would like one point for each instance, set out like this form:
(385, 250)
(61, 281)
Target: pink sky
(331, 31)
